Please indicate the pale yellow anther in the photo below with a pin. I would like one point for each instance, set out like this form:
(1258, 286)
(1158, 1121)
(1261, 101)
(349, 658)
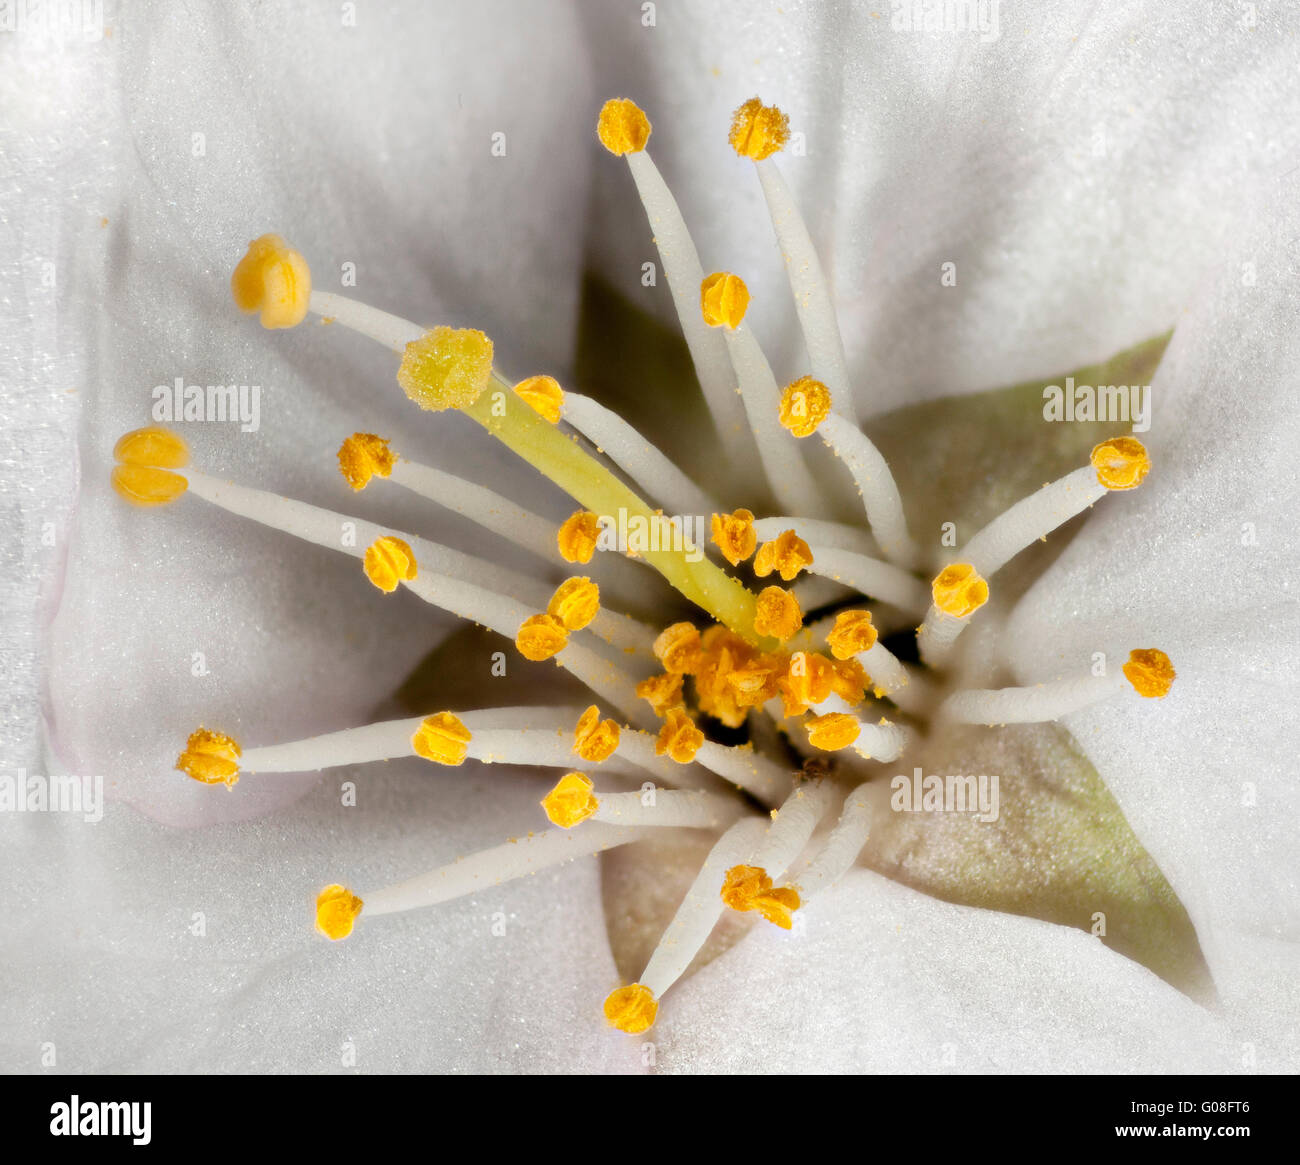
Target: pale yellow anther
(631, 1009)
(805, 403)
(833, 731)
(575, 603)
(1150, 671)
(540, 637)
(146, 456)
(750, 888)
(662, 691)
(594, 739)
(337, 909)
(758, 130)
(787, 554)
(678, 738)
(389, 561)
(211, 758)
(678, 648)
(153, 446)
(1121, 462)
(446, 368)
(623, 127)
(776, 613)
(724, 299)
(734, 535)
(363, 456)
(274, 279)
(543, 395)
(853, 633)
(578, 536)
(442, 738)
(959, 590)
(571, 801)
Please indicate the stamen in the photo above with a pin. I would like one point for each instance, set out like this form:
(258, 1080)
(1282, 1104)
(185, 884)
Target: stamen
(1150, 672)
(855, 637)
(540, 637)
(273, 279)
(679, 738)
(211, 758)
(594, 739)
(443, 739)
(734, 535)
(337, 910)
(661, 692)
(572, 800)
(818, 532)
(578, 536)
(145, 455)
(678, 648)
(882, 581)
(777, 614)
(362, 456)
(543, 395)
(575, 603)
(959, 590)
(669, 808)
(832, 732)
(631, 1009)
(787, 554)
(750, 888)
(841, 848)
(1121, 462)
(389, 561)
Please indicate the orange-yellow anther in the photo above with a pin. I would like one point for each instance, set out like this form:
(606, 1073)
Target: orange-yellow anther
(776, 613)
(661, 691)
(623, 127)
(153, 446)
(678, 648)
(787, 553)
(1121, 462)
(849, 681)
(679, 738)
(594, 739)
(631, 1009)
(853, 633)
(142, 485)
(146, 456)
(211, 758)
(442, 738)
(540, 637)
(833, 731)
(575, 603)
(1150, 671)
(734, 535)
(446, 368)
(274, 279)
(754, 681)
(543, 395)
(389, 561)
(337, 909)
(809, 680)
(362, 456)
(724, 299)
(805, 403)
(571, 801)
(750, 888)
(578, 536)
(758, 130)
(959, 590)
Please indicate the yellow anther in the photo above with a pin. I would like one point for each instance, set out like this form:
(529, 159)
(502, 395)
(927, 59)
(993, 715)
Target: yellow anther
(809, 679)
(754, 681)
(142, 485)
(154, 446)
(274, 279)
(594, 739)
(631, 1009)
(776, 613)
(577, 538)
(543, 395)
(389, 561)
(833, 731)
(959, 590)
(442, 738)
(678, 648)
(571, 801)
(1150, 672)
(362, 456)
(786, 553)
(540, 637)
(849, 681)
(210, 757)
(679, 737)
(758, 130)
(623, 127)
(734, 535)
(1121, 462)
(750, 888)
(575, 603)
(661, 692)
(852, 633)
(724, 299)
(805, 403)
(446, 368)
(337, 909)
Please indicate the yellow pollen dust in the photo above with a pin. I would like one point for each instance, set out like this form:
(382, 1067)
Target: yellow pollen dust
(959, 590)
(853, 633)
(571, 801)
(734, 535)
(1150, 671)
(145, 456)
(274, 279)
(543, 395)
(750, 888)
(577, 538)
(787, 553)
(1121, 462)
(541, 636)
(757, 130)
(446, 368)
(594, 739)
(623, 127)
(442, 738)
(575, 603)
(776, 613)
(678, 648)
(805, 403)
(833, 731)
(337, 909)
(679, 738)
(211, 758)
(724, 299)
(631, 1009)
(661, 692)
(362, 456)
(389, 561)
